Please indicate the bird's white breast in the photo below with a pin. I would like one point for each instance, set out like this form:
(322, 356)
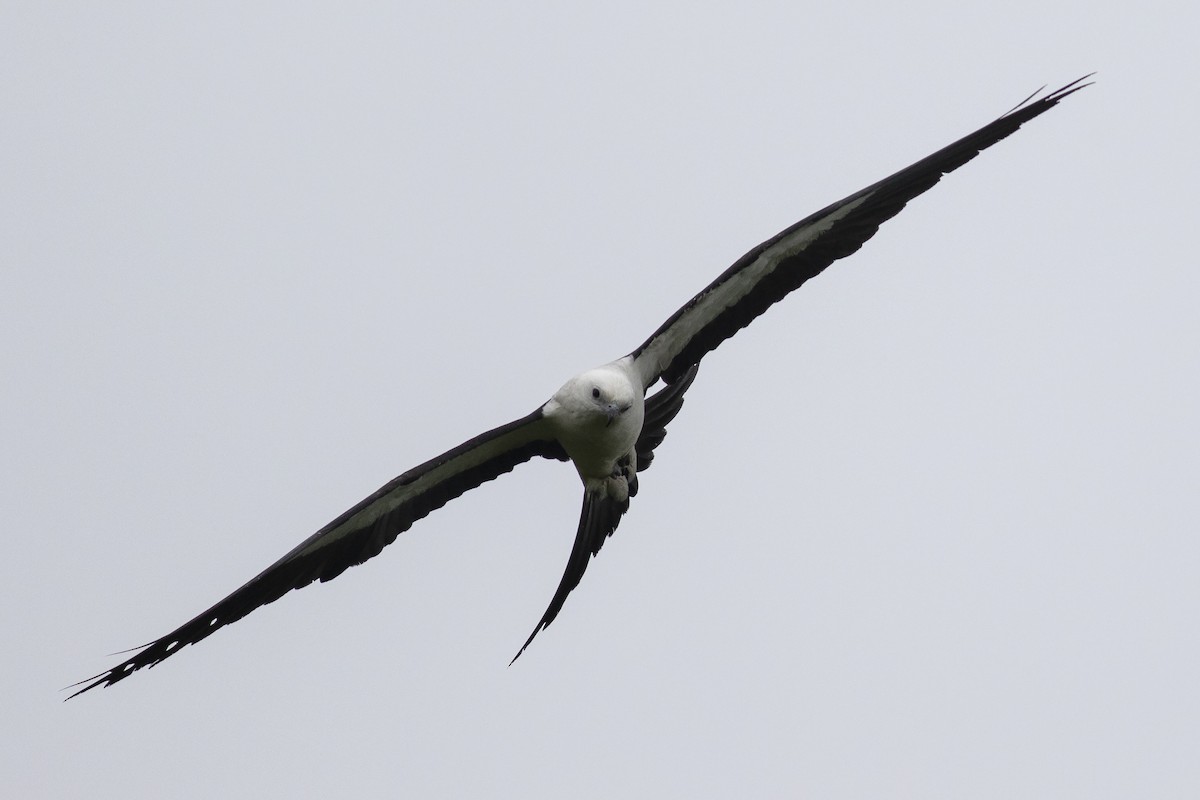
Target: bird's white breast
(592, 439)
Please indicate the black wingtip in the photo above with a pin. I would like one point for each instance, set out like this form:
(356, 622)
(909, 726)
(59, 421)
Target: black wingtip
(106, 678)
(1054, 96)
(1071, 88)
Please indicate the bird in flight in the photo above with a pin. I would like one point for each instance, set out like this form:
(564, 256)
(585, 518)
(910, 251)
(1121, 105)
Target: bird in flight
(601, 420)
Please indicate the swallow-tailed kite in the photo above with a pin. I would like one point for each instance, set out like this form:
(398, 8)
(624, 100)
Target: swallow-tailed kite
(600, 420)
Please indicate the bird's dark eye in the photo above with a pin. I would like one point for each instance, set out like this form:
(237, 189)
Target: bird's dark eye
(595, 393)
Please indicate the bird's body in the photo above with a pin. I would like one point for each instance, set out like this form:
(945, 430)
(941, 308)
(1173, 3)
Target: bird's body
(601, 420)
(597, 417)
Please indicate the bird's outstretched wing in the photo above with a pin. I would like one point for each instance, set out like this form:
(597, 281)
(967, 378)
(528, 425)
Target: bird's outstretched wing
(783, 263)
(360, 533)
(601, 514)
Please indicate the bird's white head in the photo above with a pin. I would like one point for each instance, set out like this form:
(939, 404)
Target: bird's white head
(598, 397)
(597, 416)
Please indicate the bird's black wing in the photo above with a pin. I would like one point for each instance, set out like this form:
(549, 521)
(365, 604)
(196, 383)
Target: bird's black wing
(783, 263)
(360, 533)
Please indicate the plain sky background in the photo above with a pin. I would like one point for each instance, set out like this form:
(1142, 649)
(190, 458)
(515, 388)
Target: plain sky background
(929, 528)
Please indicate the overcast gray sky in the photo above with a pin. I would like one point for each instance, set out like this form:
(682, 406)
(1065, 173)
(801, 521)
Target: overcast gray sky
(926, 529)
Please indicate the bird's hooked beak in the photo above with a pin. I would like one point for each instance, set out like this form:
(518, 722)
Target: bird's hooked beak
(612, 410)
